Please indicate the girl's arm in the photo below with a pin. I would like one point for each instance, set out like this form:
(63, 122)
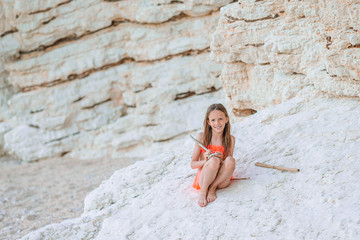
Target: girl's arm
(231, 151)
(196, 161)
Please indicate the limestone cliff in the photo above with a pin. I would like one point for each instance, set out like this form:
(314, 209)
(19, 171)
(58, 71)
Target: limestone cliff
(92, 78)
(296, 62)
(272, 49)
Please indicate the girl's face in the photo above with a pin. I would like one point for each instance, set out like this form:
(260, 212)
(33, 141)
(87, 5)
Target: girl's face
(217, 120)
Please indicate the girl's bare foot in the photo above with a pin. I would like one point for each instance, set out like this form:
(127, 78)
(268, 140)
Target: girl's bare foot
(211, 195)
(202, 199)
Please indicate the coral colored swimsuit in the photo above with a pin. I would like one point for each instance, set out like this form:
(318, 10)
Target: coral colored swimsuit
(213, 148)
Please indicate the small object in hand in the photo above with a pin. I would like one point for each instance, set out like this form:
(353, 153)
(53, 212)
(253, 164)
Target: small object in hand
(213, 154)
(203, 147)
(199, 143)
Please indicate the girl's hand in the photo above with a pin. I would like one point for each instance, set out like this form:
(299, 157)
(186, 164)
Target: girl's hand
(220, 155)
(207, 154)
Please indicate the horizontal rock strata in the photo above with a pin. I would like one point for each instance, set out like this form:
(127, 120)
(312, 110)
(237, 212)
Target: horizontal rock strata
(272, 49)
(92, 79)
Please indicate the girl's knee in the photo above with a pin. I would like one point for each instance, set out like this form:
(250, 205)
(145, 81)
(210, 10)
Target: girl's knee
(230, 158)
(224, 184)
(229, 162)
(213, 162)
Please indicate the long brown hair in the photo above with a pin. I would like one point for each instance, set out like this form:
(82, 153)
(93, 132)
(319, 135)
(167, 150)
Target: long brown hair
(226, 139)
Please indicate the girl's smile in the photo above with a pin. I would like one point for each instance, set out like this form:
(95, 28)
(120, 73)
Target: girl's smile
(217, 120)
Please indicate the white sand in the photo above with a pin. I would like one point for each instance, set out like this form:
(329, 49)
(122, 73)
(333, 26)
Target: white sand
(35, 194)
(153, 199)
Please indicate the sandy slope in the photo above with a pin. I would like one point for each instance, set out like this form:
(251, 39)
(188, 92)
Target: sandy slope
(36, 194)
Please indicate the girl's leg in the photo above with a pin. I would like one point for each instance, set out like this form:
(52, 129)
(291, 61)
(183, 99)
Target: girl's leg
(208, 174)
(222, 180)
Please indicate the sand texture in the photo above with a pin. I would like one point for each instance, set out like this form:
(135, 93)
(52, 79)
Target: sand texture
(36, 194)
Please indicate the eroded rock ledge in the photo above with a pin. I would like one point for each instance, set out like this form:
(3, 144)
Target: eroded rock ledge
(90, 79)
(272, 49)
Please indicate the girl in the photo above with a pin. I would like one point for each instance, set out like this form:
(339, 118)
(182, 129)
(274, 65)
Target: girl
(214, 172)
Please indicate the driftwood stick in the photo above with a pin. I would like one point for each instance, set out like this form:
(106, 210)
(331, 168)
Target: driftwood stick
(277, 167)
(245, 178)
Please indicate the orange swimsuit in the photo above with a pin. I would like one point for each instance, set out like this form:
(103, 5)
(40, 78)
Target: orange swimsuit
(213, 148)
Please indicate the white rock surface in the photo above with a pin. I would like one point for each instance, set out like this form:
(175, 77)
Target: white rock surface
(110, 47)
(154, 198)
(91, 91)
(74, 70)
(272, 49)
(30, 143)
(4, 128)
(44, 22)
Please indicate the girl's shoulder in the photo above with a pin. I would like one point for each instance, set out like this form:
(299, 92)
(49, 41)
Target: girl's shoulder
(200, 136)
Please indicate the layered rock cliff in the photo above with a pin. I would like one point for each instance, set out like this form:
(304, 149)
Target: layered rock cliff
(90, 79)
(296, 63)
(272, 49)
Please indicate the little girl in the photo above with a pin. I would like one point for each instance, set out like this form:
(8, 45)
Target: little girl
(214, 171)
